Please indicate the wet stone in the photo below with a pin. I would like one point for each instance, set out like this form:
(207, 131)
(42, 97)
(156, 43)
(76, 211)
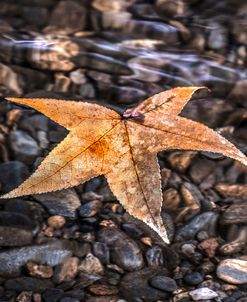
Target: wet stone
(233, 271)
(163, 283)
(203, 293)
(66, 271)
(24, 146)
(124, 251)
(62, 203)
(27, 284)
(12, 174)
(102, 63)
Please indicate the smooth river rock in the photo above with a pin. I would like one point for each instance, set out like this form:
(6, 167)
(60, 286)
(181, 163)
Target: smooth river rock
(233, 271)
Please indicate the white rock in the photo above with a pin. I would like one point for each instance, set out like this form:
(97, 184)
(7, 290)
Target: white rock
(203, 293)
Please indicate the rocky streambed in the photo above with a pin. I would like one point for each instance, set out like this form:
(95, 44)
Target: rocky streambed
(80, 244)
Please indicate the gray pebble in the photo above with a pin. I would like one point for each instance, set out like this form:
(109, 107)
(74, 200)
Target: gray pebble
(24, 146)
(124, 251)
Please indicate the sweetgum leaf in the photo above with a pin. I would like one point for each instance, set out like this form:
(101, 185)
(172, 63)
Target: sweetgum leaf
(123, 148)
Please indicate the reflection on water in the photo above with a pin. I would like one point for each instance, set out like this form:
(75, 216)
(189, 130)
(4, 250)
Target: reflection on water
(122, 51)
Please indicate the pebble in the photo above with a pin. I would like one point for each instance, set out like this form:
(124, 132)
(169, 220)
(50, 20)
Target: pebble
(154, 256)
(163, 283)
(193, 278)
(51, 253)
(209, 247)
(233, 271)
(135, 285)
(89, 209)
(205, 221)
(27, 284)
(61, 20)
(56, 221)
(203, 293)
(15, 229)
(12, 174)
(9, 79)
(91, 265)
(66, 271)
(52, 294)
(102, 252)
(62, 203)
(39, 270)
(123, 250)
(236, 213)
(24, 146)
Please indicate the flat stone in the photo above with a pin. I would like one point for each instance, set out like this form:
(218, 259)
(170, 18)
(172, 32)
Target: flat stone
(235, 214)
(27, 284)
(63, 203)
(51, 254)
(203, 293)
(233, 271)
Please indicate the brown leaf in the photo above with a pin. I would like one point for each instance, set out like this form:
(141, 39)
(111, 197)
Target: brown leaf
(123, 148)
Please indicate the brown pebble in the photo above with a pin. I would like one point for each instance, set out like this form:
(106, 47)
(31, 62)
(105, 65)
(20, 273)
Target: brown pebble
(39, 270)
(171, 199)
(146, 241)
(56, 221)
(209, 247)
